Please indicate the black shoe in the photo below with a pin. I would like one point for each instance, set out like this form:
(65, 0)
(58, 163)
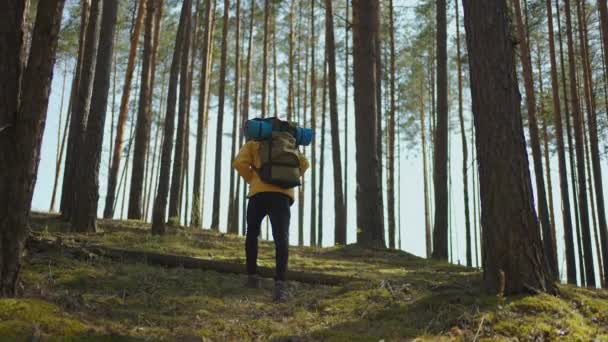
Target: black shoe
(253, 281)
(281, 293)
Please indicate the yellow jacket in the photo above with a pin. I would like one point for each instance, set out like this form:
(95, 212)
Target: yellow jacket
(248, 158)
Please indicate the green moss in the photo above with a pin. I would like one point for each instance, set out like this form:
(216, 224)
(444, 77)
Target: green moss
(26, 317)
(397, 296)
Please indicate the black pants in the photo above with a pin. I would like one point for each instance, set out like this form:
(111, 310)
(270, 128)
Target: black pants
(277, 207)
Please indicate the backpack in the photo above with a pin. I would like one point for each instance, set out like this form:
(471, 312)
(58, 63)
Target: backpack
(280, 158)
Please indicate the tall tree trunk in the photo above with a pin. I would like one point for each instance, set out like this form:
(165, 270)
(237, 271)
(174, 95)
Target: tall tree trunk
(465, 166)
(80, 110)
(290, 90)
(245, 112)
(440, 171)
(144, 117)
(313, 125)
(602, 6)
(232, 224)
(23, 109)
(427, 218)
(547, 162)
(369, 211)
(593, 133)
(379, 153)
(302, 119)
(215, 220)
(526, 63)
(339, 205)
(391, 135)
(84, 17)
(570, 144)
(322, 162)
(60, 141)
(123, 111)
(160, 202)
(512, 242)
(84, 216)
(559, 137)
(202, 107)
(177, 178)
(580, 157)
(265, 58)
(347, 51)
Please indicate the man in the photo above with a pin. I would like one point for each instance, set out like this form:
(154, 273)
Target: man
(266, 200)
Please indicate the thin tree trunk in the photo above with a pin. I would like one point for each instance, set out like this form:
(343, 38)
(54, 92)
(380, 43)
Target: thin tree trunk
(232, 224)
(541, 193)
(23, 110)
(570, 146)
(60, 141)
(427, 223)
(580, 157)
(547, 163)
(246, 97)
(379, 152)
(369, 211)
(84, 216)
(465, 166)
(215, 220)
(440, 171)
(196, 219)
(322, 162)
(593, 133)
(313, 125)
(559, 136)
(339, 204)
(347, 70)
(123, 111)
(391, 134)
(290, 90)
(265, 58)
(512, 242)
(160, 202)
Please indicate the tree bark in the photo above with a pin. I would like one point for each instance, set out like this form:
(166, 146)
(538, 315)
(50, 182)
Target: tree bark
(347, 26)
(541, 193)
(60, 140)
(80, 110)
(339, 206)
(511, 239)
(144, 116)
(196, 219)
(322, 162)
(440, 171)
(215, 219)
(177, 178)
(24, 97)
(265, 59)
(313, 125)
(593, 133)
(369, 215)
(463, 135)
(232, 224)
(580, 156)
(123, 111)
(391, 134)
(559, 137)
(84, 216)
(160, 202)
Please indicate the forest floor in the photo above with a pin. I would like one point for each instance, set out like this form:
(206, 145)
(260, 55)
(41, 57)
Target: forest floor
(390, 295)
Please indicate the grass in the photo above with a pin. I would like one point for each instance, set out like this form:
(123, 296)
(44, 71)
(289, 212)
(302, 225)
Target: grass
(400, 297)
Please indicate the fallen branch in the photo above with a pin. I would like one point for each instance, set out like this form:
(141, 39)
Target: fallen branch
(171, 261)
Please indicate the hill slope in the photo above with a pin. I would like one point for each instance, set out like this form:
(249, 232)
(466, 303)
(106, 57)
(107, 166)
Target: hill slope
(72, 289)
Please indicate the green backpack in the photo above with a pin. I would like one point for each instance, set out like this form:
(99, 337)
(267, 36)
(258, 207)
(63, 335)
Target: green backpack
(280, 160)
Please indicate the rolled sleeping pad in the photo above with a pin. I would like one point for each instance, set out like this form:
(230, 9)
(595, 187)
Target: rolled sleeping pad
(304, 136)
(257, 129)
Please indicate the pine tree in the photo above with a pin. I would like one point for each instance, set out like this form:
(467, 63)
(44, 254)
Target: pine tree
(511, 230)
(25, 92)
